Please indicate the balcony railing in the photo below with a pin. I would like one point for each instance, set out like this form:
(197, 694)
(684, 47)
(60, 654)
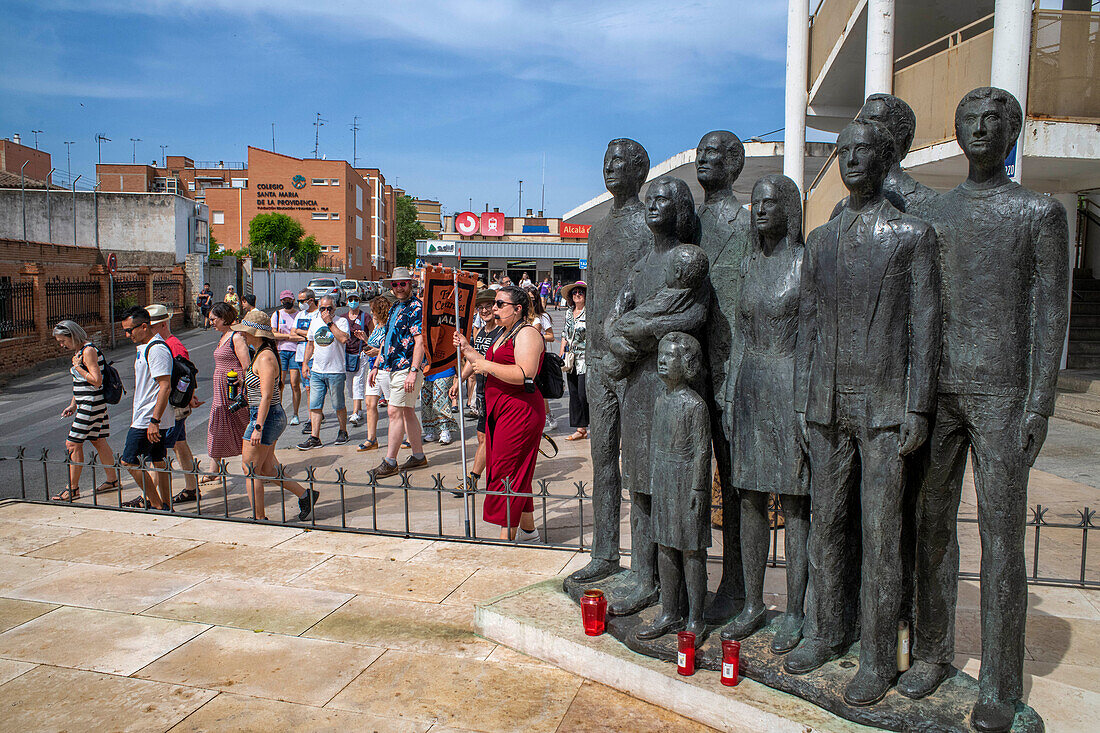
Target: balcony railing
(1063, 81)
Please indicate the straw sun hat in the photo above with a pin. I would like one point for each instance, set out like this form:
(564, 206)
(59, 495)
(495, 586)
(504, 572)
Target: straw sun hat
(256, 323)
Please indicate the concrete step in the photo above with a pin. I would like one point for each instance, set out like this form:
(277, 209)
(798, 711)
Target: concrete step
(1085, 308)
(1086, 283)
(1079, 381)
(1084, 333)
(1082, 320)
(1084, 348)
(1090, 295)
(1091, 419)
(1083, 362)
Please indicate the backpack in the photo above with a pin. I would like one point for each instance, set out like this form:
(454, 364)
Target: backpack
(112, 383)
(183, 379)
(550, 380)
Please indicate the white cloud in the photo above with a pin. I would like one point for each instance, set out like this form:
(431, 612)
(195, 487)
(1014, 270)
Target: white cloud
(595, 44)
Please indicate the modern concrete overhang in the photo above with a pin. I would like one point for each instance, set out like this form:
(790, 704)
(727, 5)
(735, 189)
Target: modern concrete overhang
(1059, 157)
(761, 159)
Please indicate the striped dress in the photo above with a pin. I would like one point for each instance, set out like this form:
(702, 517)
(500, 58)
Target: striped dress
(90, 422)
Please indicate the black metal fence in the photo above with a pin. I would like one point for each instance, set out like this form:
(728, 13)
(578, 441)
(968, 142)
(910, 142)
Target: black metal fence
(76, 300)
(168, 291)
(129, 291)
(16, 308)
(1058, 551)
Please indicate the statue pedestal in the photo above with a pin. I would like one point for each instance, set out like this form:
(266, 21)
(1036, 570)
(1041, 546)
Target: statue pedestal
(543, 622)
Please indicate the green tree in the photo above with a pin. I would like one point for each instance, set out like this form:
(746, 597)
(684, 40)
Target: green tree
(215, 251)
(308, 253)
(409, 229)
(280, 239)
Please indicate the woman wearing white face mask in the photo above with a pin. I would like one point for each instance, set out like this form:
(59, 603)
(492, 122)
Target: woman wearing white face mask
(356, 359)
(283, 323)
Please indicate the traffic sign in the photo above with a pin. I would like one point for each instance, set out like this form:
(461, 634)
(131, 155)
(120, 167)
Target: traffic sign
(112, 263)
(419, 263)
(584, 264)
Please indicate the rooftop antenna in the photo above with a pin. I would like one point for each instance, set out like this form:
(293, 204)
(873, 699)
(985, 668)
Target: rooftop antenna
(354, 134)
(317, 134)
(520, 212)
(36, 138)
(100, 138)
(135, 141)
(163, 156)
(542, 208)
(273, 137)
(68, 160)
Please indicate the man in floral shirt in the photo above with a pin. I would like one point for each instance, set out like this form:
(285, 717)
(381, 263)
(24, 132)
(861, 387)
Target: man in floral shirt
(402, 357)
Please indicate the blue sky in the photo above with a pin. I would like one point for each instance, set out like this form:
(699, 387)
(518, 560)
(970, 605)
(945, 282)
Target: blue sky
(456, 98)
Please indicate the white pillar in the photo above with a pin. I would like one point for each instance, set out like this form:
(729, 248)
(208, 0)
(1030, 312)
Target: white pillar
(798, 70)
(879, 75)
(1011, 56)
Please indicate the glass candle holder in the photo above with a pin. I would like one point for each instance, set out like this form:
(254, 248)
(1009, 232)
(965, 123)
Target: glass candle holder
(593, 612)
(731, 662)
(685, 656)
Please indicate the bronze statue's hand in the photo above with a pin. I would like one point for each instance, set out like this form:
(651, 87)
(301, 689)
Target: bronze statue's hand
(1032, 435)
(914, 431)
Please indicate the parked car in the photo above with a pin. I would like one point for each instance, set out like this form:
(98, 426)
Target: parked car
(322, 286)
(351, 288)
(370, 288)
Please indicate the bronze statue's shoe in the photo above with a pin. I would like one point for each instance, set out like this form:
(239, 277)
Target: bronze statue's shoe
(699, 628)
(659, 627)
(808, 656)
(788, 635)
(866, 688)
(992, 716)
(639, 600)
(596, 569)
(723, 607)
(922, 679)
(747, 623)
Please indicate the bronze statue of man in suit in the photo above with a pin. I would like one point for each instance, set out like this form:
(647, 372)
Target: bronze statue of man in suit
(1004, 259)
(615, 244)
(865, 375)
(724, 236)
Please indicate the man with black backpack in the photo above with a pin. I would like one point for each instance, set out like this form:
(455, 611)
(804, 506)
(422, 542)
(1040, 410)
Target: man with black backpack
(152, 417)
(176, 438)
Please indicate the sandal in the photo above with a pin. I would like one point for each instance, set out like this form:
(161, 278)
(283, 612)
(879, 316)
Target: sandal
(367, 445)
(185, 496)
(108, 486)
(69, 494)
(210, 478)
(578, 435)
(138, 502)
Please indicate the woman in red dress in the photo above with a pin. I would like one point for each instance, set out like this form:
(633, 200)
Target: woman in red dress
(514, 416)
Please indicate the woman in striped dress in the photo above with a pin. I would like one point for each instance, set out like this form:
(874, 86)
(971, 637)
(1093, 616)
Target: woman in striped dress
(225, 429)
(90, 409)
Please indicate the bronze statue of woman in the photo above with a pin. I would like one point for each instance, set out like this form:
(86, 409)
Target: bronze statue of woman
(767, 457)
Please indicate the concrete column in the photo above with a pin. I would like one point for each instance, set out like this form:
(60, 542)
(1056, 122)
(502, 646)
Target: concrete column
(798, 70)
(879, 74)
(1011, 57)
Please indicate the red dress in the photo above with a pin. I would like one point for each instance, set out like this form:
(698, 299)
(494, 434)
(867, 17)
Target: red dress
(513, 430)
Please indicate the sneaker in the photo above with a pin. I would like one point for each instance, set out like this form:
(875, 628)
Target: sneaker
(471, 413)
(524, 537)
(294, 420)
(307, 428)
(341, 437)
(382, 402)
(310, 443)
(470, 484)
(551, 422)
(454, 409)
(384, 469)
(412, 462)
(306, 502)
(429, 437)
(355, 419)
(445, 438)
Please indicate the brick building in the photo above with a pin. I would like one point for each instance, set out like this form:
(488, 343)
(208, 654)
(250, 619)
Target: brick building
(13, 156)
(349, 210)
(429, 214)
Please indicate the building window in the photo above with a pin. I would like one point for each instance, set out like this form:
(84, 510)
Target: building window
(358, 227)
(320, 182)
(359, 197)
(219, 217)
(359, 256)
(324, 248)
(335, 216)
(334, 248)
(190, 185)
(239, 183)
(334, 182)
(320, 215)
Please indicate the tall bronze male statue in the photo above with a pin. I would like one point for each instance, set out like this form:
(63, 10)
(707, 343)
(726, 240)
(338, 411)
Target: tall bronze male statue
(1003, 253)
(865, 376)
(724, 236)
(615, 244)
(901, 189)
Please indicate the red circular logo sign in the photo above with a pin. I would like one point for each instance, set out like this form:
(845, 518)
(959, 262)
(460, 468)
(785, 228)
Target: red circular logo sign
(466, 223)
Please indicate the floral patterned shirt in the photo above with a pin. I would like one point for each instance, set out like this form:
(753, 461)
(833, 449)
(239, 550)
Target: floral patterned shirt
(401, 331)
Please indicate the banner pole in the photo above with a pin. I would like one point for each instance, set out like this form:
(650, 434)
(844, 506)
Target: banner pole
(461, 401)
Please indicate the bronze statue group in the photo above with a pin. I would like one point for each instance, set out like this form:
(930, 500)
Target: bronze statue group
(850, 375)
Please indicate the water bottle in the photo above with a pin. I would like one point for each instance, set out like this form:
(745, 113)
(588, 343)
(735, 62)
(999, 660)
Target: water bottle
(231, 386)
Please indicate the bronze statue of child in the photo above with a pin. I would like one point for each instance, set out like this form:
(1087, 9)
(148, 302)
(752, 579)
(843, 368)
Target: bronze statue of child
(684, 280)
(680, 486)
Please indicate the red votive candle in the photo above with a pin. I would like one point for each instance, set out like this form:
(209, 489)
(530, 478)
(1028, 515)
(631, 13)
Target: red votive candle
(685, 657)
(731, 661)
(593, 612)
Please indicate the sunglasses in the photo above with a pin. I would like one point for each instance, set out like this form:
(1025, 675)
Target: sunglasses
(400, 283)
(328, 308)
(501, 303)
(129, 331)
